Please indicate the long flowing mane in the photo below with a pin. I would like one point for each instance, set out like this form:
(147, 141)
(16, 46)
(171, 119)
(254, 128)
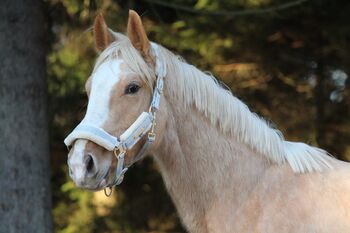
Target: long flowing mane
(222, 108)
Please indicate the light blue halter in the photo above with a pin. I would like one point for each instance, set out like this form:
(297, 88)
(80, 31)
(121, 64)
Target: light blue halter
(144, 124)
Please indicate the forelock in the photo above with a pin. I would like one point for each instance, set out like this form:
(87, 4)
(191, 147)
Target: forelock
(123, 49)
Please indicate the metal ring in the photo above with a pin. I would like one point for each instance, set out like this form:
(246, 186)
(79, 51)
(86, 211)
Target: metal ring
(110, 191)
(118, 151)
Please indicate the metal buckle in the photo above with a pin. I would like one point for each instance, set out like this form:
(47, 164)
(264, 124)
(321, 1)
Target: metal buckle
(151, 136)
(118, 151)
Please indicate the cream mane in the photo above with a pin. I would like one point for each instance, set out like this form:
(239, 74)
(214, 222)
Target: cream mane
(233, 117)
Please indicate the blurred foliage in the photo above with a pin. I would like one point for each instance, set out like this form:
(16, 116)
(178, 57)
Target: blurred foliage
(291, 66)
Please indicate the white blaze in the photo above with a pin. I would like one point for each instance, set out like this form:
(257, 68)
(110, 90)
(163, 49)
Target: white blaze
(102, 84)
(77, 161)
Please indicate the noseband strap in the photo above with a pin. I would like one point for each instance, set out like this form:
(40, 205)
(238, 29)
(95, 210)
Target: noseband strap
(92, 133)
(144, 124)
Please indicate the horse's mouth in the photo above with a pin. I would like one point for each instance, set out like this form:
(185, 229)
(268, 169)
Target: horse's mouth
(101, 184)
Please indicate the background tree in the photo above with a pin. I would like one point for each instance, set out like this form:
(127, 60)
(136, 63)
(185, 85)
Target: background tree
(25, 197)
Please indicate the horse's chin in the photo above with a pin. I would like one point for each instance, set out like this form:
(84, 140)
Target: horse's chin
(97, 186)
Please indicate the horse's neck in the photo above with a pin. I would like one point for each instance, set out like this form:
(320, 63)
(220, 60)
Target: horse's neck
(201, 166)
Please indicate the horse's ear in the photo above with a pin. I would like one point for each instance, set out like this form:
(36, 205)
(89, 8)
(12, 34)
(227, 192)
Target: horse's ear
(102, 35)
(137, 34)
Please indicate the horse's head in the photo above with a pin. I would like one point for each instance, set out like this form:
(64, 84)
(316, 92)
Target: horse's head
(123, 91)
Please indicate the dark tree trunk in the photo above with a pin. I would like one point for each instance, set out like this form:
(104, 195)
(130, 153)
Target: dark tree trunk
(25, 199)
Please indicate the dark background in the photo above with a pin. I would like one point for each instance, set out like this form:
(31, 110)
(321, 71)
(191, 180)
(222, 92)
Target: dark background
(288, 60)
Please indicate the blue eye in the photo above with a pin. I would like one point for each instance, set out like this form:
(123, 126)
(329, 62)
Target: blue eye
(132, 88)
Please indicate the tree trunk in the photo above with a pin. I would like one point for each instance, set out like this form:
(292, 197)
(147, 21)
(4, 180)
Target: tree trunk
(25, 198)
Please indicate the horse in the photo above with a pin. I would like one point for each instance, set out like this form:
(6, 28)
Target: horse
(224, 167)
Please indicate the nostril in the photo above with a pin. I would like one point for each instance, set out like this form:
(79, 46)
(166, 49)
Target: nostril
(89, 163)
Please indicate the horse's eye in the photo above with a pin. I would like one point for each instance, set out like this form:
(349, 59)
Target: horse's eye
(132, 88)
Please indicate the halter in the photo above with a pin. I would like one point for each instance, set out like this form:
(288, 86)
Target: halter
(144, 124)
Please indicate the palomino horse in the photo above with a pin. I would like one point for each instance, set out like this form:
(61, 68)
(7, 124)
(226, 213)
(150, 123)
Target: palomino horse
(224, 167)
